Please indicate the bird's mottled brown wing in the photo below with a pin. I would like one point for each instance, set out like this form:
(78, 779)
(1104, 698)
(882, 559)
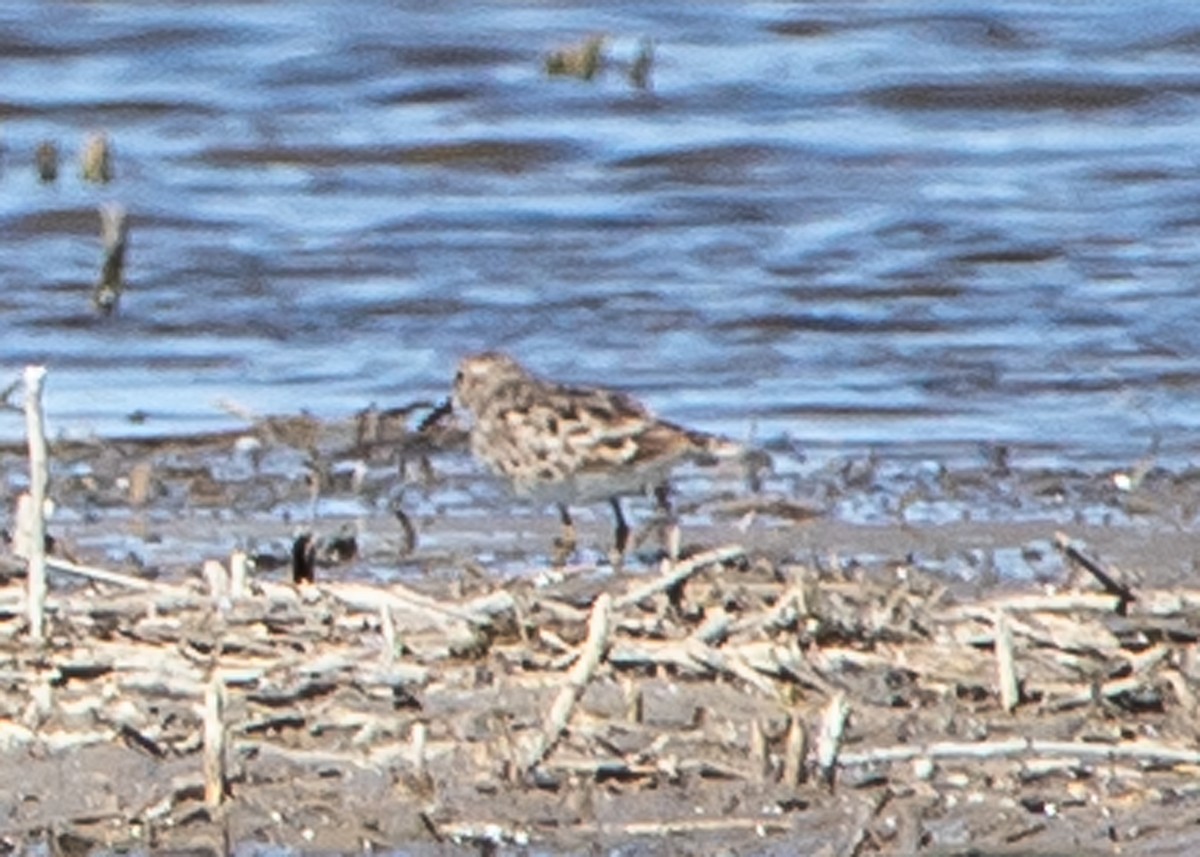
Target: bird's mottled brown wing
(610, 429)
(542, 434)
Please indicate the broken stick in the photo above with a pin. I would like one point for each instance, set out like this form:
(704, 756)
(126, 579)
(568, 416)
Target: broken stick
(1106, 577)
(679, 573)
(114, 577)
(577, 680)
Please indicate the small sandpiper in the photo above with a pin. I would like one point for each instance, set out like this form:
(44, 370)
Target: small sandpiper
(575, 445)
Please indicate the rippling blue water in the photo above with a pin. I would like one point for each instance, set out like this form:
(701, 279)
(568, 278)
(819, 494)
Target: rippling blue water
(897, 225)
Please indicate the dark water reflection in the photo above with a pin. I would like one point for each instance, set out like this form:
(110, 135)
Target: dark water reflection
(852, 225)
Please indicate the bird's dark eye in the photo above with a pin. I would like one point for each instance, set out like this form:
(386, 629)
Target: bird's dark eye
(458, 378)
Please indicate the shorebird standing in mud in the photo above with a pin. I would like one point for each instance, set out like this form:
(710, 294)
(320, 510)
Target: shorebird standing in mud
(574, 445)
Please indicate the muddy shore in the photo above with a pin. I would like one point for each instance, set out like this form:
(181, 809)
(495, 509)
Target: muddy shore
(821, 671)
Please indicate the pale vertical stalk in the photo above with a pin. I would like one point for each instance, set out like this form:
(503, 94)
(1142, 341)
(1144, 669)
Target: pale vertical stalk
(674, 539)
(238, 569)
(217, 578)
(214, 742)
(759, 754)
(1006, 672)
(418, 739)
(38, 478)
(387, 627)
(795, 751)
(829, 735)
(634, 702)
(22, 525)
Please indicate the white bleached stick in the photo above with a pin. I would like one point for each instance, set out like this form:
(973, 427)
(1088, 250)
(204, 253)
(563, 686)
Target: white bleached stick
(38, 477)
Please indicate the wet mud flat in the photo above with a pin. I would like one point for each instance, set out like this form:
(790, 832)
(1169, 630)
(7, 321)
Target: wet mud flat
(807, 677)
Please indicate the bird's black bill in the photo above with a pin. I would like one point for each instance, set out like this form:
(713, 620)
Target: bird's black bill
(439, 413)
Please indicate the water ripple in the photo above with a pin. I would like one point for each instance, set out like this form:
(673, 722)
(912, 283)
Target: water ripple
(859, 226)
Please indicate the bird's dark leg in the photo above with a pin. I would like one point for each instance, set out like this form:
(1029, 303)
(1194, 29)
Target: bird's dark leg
(564, 545)
(662, 499)
(621, 535)
(668, 529)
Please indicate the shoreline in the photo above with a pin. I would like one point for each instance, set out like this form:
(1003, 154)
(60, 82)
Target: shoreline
(402, 711)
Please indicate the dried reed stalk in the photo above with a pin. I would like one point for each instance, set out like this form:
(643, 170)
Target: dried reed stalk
(35, 377)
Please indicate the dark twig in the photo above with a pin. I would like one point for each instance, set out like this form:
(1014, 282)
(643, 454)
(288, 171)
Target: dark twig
(410, 532)
(46, 161)
(639, 71)
(304, 558)
(114, 234)
(7, 393)
(1106, 577)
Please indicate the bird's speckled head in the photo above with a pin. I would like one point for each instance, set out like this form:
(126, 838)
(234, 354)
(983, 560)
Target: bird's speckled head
(480, 376)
